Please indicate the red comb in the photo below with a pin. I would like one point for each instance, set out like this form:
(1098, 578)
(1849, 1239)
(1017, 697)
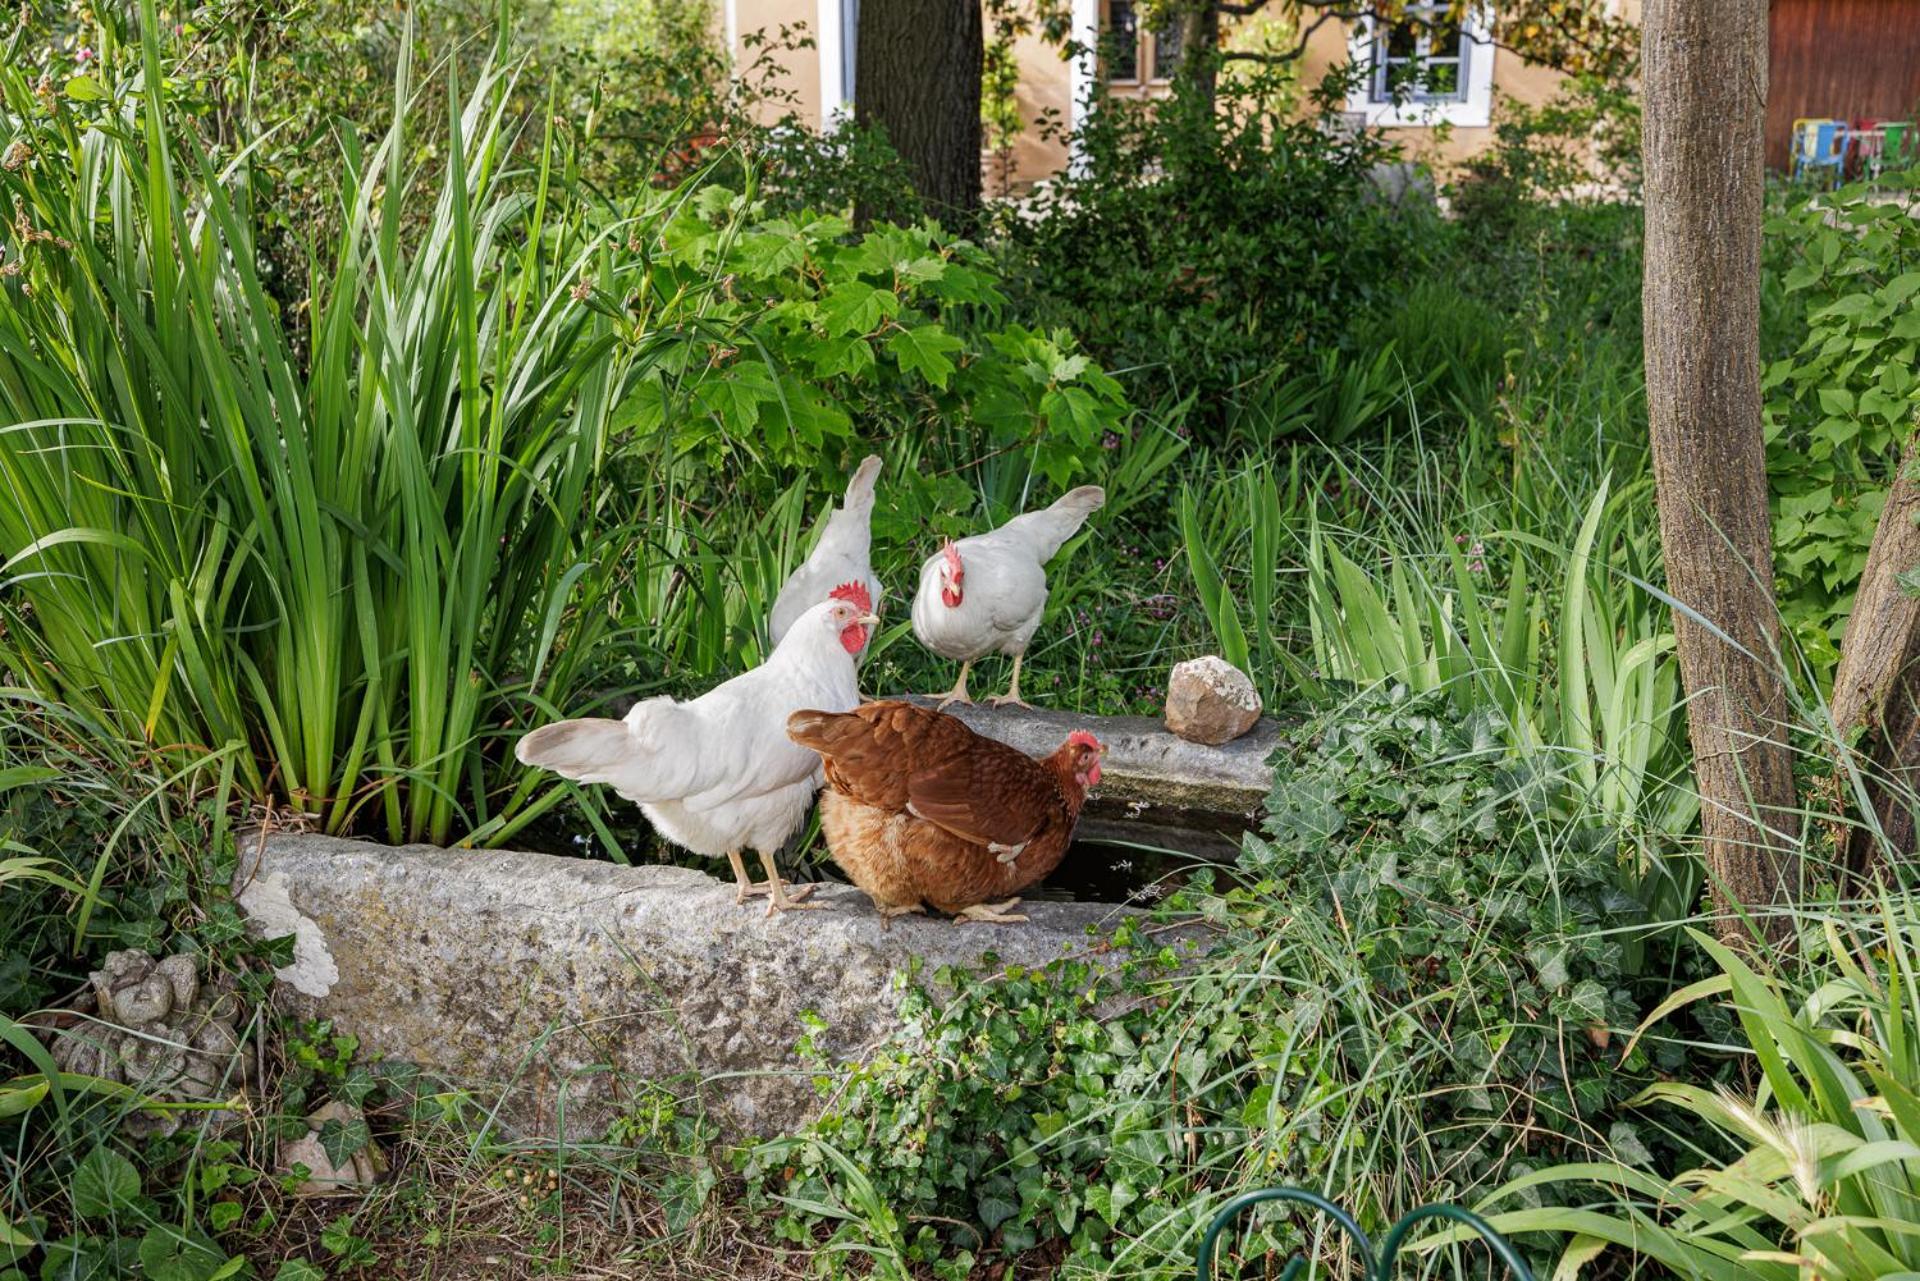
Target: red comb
(1080, 738)
(951, 551)
(854, 593)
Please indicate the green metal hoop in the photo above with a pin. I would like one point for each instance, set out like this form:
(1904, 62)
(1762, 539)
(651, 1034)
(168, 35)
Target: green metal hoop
(1377, 1268)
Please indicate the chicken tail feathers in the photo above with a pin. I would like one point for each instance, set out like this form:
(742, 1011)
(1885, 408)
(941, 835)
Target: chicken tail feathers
(578, 749)
(1048, 530)
(813, 730)
(860, 486)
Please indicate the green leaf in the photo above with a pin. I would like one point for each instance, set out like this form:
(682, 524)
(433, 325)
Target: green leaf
(855, 307)
(340, 1140)
(103, 1182)
(85, 89)
(1072, 412)
(299, 1270)
(926, 349)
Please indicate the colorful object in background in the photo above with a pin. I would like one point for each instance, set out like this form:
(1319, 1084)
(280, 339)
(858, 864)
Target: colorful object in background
(1376, 1267)
(1819, 144)
(1896, 147)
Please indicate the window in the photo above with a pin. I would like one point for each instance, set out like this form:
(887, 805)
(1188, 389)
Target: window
(1428, 67)
(1126, 50)
(1419, 59)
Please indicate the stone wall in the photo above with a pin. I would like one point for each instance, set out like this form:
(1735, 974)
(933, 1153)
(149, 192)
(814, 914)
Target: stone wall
(560, 986)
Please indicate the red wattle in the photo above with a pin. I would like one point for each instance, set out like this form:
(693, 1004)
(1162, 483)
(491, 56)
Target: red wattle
(853, 638)
(950, 598)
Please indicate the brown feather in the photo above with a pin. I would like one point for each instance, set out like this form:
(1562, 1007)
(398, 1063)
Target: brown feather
(915, 798)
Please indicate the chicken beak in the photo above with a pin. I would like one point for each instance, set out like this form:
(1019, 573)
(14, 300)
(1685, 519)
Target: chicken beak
(868, 620)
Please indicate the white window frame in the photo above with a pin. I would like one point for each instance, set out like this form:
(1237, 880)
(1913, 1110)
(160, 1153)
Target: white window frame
(1474, 111)
(834, 44)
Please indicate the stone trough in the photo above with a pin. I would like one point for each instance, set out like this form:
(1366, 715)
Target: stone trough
(564, 990)
(1155, 788)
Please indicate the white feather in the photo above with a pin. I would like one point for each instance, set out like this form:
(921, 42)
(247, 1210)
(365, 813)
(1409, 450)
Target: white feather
(718, 773)
(1004, 582)
(841, 554)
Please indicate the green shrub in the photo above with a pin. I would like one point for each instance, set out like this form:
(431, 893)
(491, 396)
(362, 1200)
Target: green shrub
(1810, 1170)
(1841, 402)
(368, 556)
(1583, 142)
(1410, 991)
(1197, 249)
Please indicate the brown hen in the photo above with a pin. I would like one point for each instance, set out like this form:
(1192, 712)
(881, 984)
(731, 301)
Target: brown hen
(921, 811)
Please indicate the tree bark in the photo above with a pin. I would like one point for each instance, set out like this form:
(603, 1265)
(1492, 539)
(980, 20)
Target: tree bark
(1199, 50)
(917, 79)
(1705, 80)
(1877, 687)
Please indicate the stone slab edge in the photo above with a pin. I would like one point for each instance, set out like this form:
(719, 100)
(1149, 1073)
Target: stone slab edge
(567, 991)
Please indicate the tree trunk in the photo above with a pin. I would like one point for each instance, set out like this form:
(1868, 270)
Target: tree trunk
(917, 78)
(1877, 687)
(1200, 49)
(1705, 79)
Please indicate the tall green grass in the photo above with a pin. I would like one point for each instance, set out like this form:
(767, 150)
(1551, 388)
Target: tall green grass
(357, 561)
(1814, 1167)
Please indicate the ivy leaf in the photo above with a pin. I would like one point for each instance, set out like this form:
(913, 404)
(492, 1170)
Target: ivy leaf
(995, 1204)
(926, 348)
(360, 1083)
(340, 1140)
(299, 1270)
(103, 1182)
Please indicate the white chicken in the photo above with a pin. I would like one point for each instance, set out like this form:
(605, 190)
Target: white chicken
(839, 557)
(718, 774)
(985, 594)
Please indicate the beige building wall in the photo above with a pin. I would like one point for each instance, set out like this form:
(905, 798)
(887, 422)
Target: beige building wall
(1045, 85)
(797, 70)
(1046, 81)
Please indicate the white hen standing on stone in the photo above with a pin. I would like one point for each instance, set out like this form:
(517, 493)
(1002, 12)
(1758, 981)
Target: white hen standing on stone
(842, 555)
(985, 594)
(718, 774)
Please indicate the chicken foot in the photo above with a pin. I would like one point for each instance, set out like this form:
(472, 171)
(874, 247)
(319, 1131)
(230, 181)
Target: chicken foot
(778, 899)
(958, 694)
(888, 911)
(990, 913)
(1012, 697)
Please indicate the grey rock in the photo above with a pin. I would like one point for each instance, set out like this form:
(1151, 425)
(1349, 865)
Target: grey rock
(1211, 701)
(558, 988)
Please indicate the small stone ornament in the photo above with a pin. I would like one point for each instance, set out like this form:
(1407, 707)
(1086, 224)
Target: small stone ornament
(1211, 701)
(159, 1030)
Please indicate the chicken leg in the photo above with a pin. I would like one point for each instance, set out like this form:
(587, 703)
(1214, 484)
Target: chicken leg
(778, 900)
(1012, 697)
(990, 913)
(958, 694)
(773, 887)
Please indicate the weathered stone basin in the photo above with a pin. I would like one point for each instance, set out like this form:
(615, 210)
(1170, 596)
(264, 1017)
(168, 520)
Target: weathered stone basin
(562, 987)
